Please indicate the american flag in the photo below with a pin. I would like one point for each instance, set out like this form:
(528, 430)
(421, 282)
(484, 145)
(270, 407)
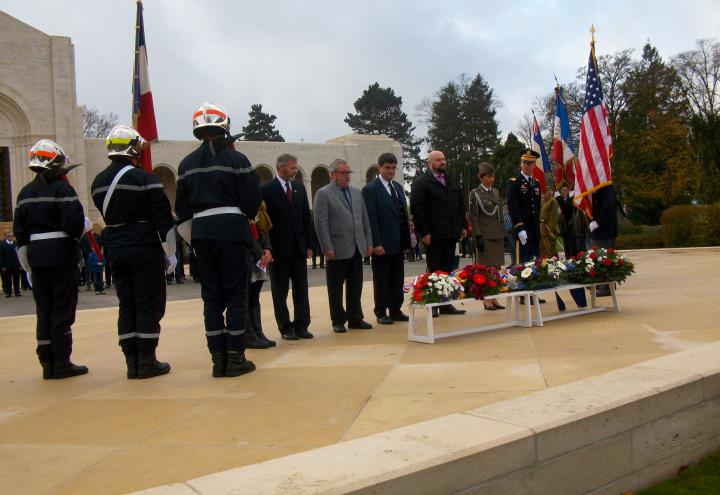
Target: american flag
(143, 111)
(592, 169)
(543, 164)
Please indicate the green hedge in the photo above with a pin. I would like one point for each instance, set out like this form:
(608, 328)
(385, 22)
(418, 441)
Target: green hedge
(649, 240)
(691, 225)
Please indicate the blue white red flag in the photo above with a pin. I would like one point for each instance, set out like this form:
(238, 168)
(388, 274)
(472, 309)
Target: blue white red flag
(143, 111)
(563, 152)
(592, 169)
(543, 164)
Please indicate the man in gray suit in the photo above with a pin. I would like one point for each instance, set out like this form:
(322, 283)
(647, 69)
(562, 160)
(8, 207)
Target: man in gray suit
(343, 229)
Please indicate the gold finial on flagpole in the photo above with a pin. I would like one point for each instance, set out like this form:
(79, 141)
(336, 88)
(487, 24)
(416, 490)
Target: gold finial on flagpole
(592, 32)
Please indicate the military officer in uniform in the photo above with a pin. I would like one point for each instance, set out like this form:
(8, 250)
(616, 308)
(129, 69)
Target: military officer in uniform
(217, 192)
(523, 199)
(48, 220)
(140, 241)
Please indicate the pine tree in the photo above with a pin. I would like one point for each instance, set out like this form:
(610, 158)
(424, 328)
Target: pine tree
(379, 111)
(507, 161)
(261, 126)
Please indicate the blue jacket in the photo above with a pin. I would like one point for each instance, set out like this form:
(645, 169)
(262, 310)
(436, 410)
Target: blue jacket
(384, 216)
(95, 265)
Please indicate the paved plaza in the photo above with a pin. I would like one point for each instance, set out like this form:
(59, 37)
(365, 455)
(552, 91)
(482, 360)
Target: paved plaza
(101, 433)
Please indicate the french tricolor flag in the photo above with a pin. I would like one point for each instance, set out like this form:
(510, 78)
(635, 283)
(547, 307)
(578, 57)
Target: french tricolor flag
(543, 164)
(143, 110)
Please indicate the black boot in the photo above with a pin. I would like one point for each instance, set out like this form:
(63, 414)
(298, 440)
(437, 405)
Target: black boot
(148, 366)
(219, 359)
(66, 369)
(47, 367)
(257, 325)
(132, 364)
(237, 364)
(252, 339)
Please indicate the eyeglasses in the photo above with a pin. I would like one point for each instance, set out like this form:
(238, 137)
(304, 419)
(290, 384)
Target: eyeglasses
(349, 172)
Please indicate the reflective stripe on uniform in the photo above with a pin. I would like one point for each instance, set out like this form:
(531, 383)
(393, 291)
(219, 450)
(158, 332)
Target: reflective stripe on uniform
(216, 168)
(126, 187)
(44, 342)
(139, 335)
(46, 200)
(57, 234)
(213, 333)
(234, 332)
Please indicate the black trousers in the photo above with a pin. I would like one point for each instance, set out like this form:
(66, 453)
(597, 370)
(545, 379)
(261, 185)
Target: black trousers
(530, 250)
(282, 272)
(440, 255)
(139, 275)
(55, 290)
(10, 280)
(225, 277)
(347, 272)
(254, 293)
(388, 279)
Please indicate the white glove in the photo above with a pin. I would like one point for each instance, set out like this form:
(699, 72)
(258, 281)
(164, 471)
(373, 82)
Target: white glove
(22, 253)
(88, 226)
(169, 246)
(170, 264)
(572, 193)
(593, 225)
(522, 235)
(557, 194)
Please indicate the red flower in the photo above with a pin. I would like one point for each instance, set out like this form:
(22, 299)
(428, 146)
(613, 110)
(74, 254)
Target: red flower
(607, 262)
(593, 273)
(621, 262)
(581, 254)
(422, 283)
(418, 295)
(593, 256)
(479, 279)
(462, 274)
(492, 283)
(611, 251)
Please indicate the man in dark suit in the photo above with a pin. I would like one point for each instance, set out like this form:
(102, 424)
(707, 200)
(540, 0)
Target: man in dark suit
(291, 237)
(604, 225)
(523, 199)
(438, 210)
(10, 265)
(387, 213)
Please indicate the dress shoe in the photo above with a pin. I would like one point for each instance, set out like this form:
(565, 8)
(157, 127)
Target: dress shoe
(435, 312)
(339, 329)
(290, 335)
(498, 305)
(237, 364)
(67, 369)
(131, 362)
(604, 292)
(489, 307)
(399, 316)
(385, 320)
(219, 359)
(304, 334)
(359, 325)
(451, 310)
(47, 367)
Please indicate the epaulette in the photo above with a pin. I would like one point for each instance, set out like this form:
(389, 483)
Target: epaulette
(513, 179)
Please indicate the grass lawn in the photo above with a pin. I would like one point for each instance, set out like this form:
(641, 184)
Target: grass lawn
(701, 479)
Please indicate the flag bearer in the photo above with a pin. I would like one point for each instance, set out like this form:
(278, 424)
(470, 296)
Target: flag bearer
(140, 242)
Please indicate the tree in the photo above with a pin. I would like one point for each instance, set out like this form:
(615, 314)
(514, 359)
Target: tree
(699, 75)
(507, 161)
(653, 150)
(462, 124)
(261, 126)
(379, 111)
(96, 124)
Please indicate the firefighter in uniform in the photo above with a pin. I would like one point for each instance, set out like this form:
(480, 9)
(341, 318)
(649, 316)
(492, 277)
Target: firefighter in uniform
(48, 221)
(217, 192)
(140, 242)
(523, 200)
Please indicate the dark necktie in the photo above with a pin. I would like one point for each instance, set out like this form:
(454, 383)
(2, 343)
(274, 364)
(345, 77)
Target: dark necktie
(346, 195)
(289, 192)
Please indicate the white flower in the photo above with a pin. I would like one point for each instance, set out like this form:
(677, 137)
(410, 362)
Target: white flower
(526, 273)
(529, 264)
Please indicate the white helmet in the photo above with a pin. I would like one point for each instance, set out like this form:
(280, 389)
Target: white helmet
(124, 141)
(210, 115)
(47, 155)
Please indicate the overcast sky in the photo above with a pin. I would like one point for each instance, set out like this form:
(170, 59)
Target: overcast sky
(308, 61)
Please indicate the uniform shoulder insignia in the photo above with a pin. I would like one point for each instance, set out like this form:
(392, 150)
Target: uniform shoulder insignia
(513, 179)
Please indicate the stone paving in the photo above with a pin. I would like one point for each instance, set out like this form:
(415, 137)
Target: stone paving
(101, 433)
